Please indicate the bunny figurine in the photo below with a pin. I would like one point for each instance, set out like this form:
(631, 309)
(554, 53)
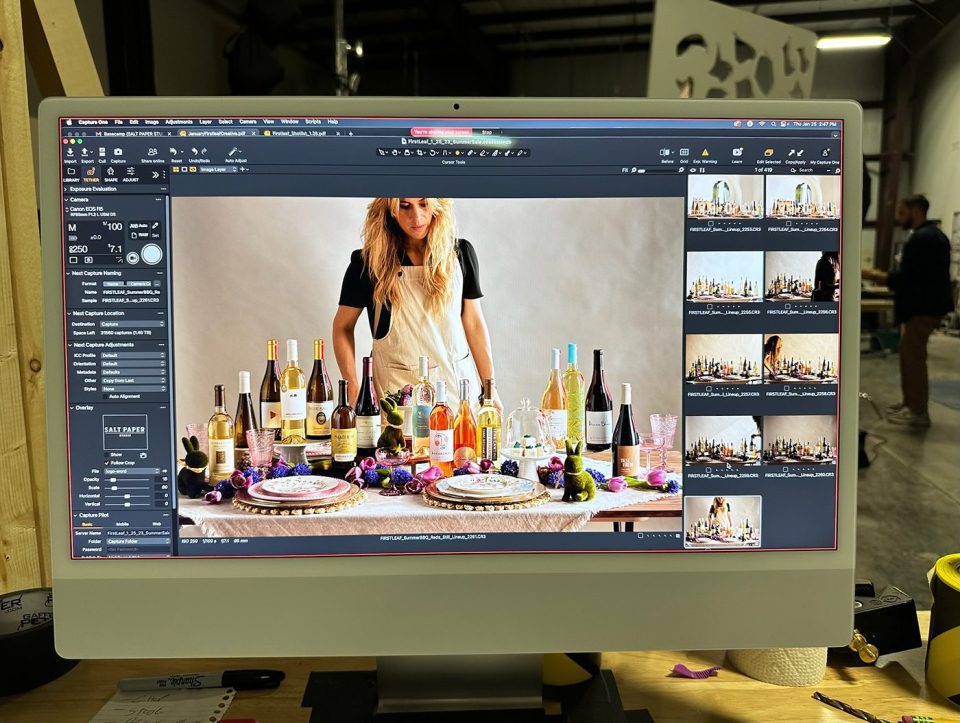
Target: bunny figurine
(392, 436)
(578, 484)
(191, 479)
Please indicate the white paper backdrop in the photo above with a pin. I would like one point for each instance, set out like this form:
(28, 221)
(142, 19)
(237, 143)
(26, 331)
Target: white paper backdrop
(798, 264)
(741, 507)
(805, 428)
(725, 347)
(743, 189)
(808, 347)
(726, 266)
(826, 189)
(721, 429)
(599, 272)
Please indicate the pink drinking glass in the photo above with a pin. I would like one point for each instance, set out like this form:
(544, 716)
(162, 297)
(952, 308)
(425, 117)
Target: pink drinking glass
(666, 426)
(260, 445)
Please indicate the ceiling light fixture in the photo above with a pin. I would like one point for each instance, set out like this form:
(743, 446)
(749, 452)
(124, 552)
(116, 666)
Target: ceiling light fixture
(849, 42)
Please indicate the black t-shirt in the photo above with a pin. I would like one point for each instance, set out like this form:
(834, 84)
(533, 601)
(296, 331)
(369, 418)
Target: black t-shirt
(357, 288)
(921, 283)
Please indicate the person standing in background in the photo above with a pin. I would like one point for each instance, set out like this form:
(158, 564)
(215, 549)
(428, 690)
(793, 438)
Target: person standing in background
(921, 296)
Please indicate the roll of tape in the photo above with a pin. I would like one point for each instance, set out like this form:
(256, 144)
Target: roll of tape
(943, 649)
(26, 641)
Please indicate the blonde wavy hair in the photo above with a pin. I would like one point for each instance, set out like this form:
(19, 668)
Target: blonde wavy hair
(384, 242)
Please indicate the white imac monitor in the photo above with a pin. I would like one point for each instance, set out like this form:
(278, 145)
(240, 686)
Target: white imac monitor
(699, 245)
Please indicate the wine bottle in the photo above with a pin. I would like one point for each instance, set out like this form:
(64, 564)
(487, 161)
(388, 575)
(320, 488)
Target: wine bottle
(424, 396)
(441, 432)
(599, 408)
(573, 387)
(626, 441)
(270, 390)
(368, 413)
(464, 428)
(293, 398)
(319, 396)
(245, 418)
(489, 422)
(220, 438)
(343, 433)
(553, 403)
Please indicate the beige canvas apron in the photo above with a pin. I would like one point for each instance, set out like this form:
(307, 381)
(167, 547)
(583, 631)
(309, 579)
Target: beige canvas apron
(414, 333)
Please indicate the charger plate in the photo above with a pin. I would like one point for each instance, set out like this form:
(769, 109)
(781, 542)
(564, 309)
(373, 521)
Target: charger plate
(529, 491)
(351, 498)
(434, 498)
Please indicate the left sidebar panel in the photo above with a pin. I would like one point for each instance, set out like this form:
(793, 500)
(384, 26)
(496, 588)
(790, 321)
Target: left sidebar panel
(119, 374)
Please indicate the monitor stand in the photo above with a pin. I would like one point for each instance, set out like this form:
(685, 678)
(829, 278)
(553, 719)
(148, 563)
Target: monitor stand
(429, 684)
(462, 689)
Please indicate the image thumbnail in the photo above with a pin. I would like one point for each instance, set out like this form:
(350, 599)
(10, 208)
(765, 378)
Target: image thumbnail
(806, 358)
(726, 522)
(724, 358)
(802, 276)
(807, 439)
(724, 276)
(723, 440)
(724, 196)
(809, 197)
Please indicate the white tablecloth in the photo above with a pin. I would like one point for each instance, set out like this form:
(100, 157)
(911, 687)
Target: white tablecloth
(408, 514)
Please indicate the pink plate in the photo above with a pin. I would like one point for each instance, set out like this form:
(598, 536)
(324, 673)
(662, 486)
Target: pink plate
(256, 490)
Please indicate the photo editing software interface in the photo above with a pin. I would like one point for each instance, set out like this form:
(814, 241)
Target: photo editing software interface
(693, 264)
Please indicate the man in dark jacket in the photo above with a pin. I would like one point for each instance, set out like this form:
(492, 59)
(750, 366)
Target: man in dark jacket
(921, 296)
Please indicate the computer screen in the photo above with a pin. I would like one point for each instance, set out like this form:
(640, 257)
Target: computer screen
(222, 274)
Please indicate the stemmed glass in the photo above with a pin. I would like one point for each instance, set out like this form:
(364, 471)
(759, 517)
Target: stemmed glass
(648, 443)
(666, 426)
(260, 446)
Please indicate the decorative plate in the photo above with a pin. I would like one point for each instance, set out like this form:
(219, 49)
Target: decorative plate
(298, 485)
(488, 484)
(524, 488)
(257, 490)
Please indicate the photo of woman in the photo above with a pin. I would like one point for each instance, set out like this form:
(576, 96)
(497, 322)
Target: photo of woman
(720, 513)
(420, 286)
(772, 351)
(826, 278)
(722, 522)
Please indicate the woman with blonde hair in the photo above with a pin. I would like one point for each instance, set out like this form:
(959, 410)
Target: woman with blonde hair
(420, 286)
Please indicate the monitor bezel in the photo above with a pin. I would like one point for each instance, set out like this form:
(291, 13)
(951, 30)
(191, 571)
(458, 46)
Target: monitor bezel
(810, 590)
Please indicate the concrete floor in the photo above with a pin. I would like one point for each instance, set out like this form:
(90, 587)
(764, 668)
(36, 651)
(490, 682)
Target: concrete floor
(909, 497)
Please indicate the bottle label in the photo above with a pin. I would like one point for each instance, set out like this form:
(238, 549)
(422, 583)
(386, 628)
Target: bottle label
(462, 455)
(421, 421)
(368, 431)
(556, 423)
(270, 415)
(293, 404)
(318, 418)
(343, 444)
(600, 427)
(626, 460)
(489, 443)
(221, 457)
(441, 445)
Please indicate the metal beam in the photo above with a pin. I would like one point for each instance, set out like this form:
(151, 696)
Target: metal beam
(631, 46)
(645, 6)
(534, 36)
